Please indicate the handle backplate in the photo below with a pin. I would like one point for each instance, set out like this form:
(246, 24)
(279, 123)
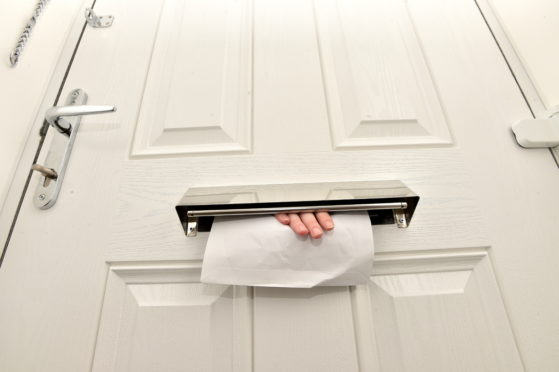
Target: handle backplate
(58, 155)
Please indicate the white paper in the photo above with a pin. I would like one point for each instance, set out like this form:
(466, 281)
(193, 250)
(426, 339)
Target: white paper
(260, 251)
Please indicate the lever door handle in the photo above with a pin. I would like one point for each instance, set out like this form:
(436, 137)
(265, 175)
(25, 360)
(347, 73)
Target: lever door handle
(54, 115)
(54, 168)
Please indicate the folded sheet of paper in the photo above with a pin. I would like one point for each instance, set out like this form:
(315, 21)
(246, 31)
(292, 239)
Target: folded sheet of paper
(260, 251)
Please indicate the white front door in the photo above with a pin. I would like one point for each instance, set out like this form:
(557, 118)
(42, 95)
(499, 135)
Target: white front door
(257, 92)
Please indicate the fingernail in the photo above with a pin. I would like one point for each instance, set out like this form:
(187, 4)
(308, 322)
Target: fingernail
(329, 225)
(317, 232)
(303, 231)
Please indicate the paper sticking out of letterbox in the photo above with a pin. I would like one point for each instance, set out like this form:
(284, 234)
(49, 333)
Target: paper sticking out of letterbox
(260, 251)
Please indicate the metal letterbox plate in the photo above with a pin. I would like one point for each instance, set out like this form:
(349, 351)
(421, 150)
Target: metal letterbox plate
(387, 202)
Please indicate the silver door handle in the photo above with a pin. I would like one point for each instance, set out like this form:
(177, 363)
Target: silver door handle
(55, 115)
(53, 169)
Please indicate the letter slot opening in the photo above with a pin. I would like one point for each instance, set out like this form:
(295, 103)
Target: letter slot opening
(387, 202)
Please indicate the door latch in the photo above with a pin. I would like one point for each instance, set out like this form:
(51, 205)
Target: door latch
(66, 120)
(538, 133)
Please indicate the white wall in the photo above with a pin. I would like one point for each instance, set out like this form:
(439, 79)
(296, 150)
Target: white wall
(533, 29)
(22, 87)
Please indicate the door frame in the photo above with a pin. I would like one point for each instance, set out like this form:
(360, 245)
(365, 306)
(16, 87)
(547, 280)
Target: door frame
(520, 74)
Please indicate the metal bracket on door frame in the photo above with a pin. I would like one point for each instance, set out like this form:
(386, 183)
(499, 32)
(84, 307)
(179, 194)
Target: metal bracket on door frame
(58, 155)
(96, 21)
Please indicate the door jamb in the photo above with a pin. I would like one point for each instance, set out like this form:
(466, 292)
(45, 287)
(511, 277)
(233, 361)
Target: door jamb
(521, 77)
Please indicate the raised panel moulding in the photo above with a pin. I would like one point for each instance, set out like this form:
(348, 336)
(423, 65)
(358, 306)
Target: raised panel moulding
(433, 311)
(378, 86)
(423, 284)
(427, 273)
(158, 316)
(197, 94)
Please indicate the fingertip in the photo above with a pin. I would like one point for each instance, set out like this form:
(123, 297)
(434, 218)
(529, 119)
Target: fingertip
(283, 218)
(296, 225)
(316, 233)
(325, 220)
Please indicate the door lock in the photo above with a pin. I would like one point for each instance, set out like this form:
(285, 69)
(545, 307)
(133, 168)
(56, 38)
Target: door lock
(66, 120)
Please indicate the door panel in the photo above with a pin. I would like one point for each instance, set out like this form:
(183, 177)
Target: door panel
(242, 92)
(293, 328)
(198, 92)
(159, 317)
(430, 311)
(378, 87)
(197, 95)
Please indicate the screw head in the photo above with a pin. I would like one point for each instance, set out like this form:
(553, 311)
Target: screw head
(42, 196)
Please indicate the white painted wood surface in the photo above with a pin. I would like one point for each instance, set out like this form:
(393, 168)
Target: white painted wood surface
(532, 29)
(524, 32)
(114, 277)
(23, 88)
(212, 112)
(528, 279)
(377, 84)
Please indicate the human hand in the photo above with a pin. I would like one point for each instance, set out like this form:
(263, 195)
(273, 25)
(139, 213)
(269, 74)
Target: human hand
(307, 222)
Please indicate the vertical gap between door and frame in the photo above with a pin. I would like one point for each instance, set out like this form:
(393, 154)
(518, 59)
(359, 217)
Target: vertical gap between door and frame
(514, 75)
(532, 113)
